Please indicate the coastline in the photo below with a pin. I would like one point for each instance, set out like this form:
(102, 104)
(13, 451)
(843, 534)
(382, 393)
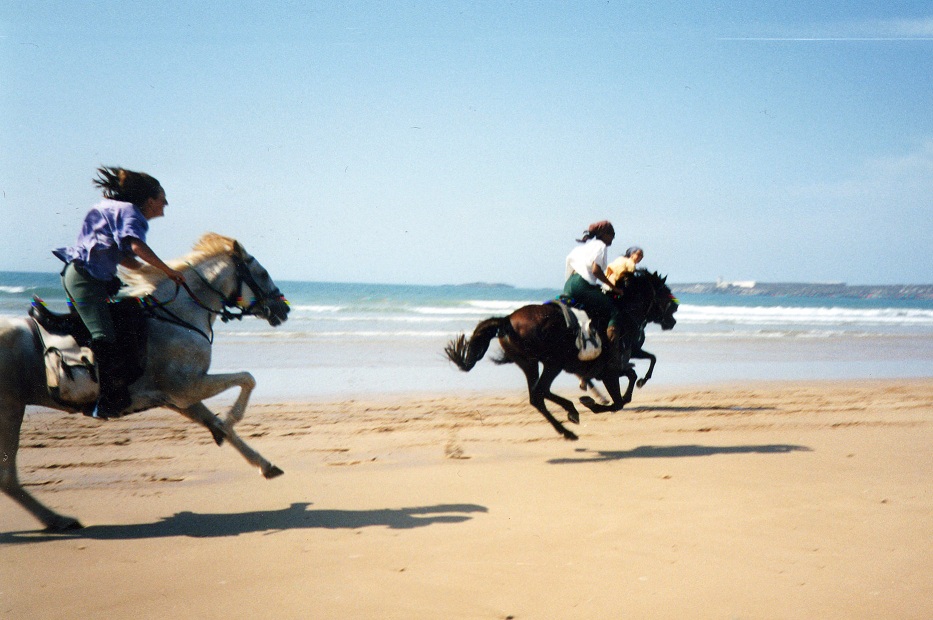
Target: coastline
(774, 499)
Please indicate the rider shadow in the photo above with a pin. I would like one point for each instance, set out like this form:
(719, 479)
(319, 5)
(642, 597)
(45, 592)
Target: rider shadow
(655, 452)
(295, 517)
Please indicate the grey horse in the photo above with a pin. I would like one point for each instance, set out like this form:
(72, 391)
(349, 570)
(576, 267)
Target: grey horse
(219, 275)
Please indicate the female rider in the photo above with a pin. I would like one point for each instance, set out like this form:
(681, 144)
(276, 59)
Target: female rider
(624, 265)
(585, 272)
(113, 233)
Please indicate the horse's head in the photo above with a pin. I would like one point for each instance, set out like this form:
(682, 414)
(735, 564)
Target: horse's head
(665, 303)
(661, 303)
(256, 294)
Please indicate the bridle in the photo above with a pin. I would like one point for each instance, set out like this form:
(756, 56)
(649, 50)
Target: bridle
(657, 306)
(258, 306)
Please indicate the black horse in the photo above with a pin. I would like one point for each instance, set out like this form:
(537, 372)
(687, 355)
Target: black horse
(538, 334)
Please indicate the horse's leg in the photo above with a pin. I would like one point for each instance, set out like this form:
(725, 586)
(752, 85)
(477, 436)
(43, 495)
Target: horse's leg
(202, 415)
(629, 372)
(208, 386)
(615, 392)
(530, 368)
(644, 355)
(588, 386)
(11, 420)
(212, 385)
(541, 390)
(572, 414)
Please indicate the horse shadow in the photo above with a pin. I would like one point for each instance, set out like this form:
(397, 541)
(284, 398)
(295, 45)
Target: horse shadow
(697, 408)
(295, 517)
(655, 452)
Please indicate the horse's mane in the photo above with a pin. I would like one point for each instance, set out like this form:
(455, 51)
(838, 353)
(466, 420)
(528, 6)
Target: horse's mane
(143, 281)
(643, 275)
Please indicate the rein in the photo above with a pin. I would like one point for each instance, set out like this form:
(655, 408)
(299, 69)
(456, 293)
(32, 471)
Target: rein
(243, 276)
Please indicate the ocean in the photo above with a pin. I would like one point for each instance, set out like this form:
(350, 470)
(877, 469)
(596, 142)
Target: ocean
(346, 340)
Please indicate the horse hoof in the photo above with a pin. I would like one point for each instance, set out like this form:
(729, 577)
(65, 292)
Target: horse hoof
(569, 436)
(274, 472)
(574, 417)
(640, 383)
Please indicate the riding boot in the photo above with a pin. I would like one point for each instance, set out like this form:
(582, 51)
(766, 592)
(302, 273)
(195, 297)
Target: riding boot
(615, 351)
(114, 396)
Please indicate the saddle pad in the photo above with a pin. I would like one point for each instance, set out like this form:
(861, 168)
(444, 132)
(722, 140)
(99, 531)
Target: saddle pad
(588, 342)
(69, 368)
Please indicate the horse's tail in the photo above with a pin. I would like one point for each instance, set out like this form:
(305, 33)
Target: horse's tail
(465, 353)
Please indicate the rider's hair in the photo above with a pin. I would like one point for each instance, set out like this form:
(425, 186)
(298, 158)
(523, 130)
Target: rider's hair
(127, 185)
(632, 250)
(596, 230)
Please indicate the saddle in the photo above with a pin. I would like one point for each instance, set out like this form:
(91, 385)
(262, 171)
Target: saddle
(71, 373)
(589, 344)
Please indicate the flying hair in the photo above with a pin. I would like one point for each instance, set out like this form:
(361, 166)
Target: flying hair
(127, 185)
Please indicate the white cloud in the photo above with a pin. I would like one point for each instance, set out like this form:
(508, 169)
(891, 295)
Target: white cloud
(921, 28)
(896, 29)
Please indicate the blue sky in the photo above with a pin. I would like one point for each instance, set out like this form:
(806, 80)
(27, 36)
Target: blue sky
(450, 142)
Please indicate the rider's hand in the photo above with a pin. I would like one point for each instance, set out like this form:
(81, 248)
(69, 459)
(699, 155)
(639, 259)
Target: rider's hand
(175, 276)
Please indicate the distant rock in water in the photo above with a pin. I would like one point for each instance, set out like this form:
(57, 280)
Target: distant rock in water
(485, 285)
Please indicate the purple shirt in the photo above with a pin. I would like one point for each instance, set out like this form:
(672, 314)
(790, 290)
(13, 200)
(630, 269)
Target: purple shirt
(105, 238)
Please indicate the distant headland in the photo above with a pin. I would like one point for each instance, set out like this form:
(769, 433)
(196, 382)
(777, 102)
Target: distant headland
(485, 285)
(807, 289)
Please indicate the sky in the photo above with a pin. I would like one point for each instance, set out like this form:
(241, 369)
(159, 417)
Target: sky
(454, 142)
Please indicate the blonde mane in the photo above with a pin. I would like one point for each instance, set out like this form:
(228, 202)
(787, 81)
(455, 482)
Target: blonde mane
(144, 281)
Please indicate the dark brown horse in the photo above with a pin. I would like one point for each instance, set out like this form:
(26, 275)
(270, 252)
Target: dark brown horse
(537, 339)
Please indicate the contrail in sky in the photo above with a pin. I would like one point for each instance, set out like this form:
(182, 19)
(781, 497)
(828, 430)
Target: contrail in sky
(824, 38)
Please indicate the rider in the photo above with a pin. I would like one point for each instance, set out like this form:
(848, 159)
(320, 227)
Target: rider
(113, 233)
(585, 272)
(624, 265)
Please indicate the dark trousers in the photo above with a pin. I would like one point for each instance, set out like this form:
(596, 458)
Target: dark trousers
(89, 297)
(596, 303)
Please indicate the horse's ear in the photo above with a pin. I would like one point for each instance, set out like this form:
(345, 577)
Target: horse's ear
(238, 249)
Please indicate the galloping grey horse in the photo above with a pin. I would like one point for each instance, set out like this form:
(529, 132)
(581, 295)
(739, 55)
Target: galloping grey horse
(219, 274)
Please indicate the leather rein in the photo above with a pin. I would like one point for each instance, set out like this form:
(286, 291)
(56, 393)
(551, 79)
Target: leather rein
(243, 276)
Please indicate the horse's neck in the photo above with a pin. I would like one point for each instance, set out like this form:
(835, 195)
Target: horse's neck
(211, 283)
(636, 301)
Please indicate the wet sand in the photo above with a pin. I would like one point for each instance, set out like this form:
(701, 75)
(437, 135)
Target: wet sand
(756, 500)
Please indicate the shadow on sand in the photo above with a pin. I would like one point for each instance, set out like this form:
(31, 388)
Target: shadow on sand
(667, 452)
(295, 517)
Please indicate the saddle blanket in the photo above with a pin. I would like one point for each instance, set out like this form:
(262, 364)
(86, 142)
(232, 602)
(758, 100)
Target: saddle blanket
(589, 344)
(69, 368)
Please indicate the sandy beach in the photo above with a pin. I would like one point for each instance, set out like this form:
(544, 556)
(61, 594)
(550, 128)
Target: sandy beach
(760, 500)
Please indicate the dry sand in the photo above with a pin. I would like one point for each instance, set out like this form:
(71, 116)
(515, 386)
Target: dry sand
(769, 500)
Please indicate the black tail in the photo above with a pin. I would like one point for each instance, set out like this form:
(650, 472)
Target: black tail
(465, 353)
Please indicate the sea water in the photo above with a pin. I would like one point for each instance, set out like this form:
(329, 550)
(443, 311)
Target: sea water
(345, 340)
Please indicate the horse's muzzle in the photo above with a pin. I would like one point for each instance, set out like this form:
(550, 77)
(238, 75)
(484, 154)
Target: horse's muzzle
(276, 311)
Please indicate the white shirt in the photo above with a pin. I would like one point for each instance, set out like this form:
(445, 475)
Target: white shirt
(582, 259)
